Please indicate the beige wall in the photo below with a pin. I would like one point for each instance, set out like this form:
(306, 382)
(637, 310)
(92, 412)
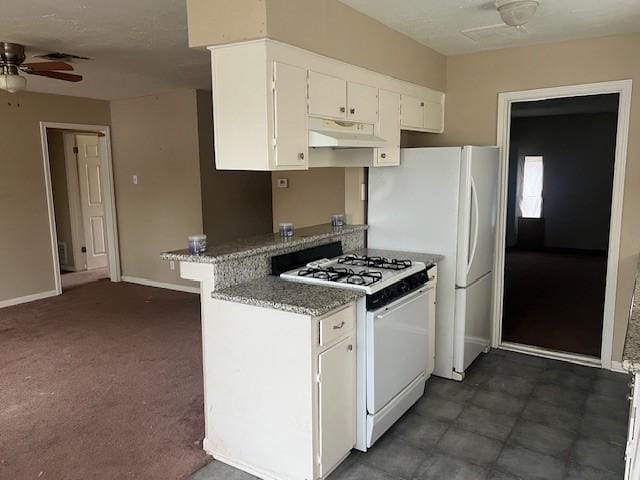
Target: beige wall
(26, 263)
(331, 28)
(156, 138)
(312, 197)
(327, 27)
(473, 84)
(234, 203)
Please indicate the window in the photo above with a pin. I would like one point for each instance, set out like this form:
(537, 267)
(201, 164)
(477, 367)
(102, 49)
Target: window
(532, 177)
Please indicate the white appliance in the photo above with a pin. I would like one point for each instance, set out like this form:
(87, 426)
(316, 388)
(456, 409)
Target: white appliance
(395, 333)
(444, 200)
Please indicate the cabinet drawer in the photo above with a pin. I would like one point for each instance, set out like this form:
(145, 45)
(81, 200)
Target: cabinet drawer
(336, 325)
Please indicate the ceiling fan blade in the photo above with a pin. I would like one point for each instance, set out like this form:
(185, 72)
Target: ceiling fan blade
(46, 66)
(69, 77)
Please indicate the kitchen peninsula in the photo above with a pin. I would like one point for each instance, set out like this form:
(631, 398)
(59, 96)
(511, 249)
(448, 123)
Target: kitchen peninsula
(264, 405)
(296, 371)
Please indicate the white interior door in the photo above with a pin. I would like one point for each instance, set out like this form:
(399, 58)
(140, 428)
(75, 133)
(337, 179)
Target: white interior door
(92, 200)
(477, 215)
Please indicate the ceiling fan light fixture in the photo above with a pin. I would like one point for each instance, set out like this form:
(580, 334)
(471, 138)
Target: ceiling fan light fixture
(516, 12)
(12, 82)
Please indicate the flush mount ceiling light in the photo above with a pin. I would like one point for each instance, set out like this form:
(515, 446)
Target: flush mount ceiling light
(516, 12)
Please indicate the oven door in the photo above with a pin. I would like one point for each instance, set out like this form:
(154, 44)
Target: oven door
(397, 347)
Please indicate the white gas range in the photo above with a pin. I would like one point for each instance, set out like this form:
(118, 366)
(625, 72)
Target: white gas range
(395, 330)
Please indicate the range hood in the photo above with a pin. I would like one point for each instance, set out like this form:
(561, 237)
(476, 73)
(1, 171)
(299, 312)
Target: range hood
(342, 134)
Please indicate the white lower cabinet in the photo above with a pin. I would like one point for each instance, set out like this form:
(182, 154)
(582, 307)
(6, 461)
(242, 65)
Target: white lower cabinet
(279, 389)
(337, 403)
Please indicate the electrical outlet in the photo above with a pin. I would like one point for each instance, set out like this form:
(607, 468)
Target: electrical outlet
(283, 183)
(135, 179)
(172, 265)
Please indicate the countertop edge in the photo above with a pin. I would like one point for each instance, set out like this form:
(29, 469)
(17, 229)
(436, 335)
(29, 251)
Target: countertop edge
(181, 256)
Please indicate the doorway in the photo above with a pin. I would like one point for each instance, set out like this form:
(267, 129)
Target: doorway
(81, 210)
(562, 175)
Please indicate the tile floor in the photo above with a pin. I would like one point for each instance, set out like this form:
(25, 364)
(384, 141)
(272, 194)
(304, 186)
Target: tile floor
(513, 417)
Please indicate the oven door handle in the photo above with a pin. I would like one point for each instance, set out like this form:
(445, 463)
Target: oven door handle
(402, 302)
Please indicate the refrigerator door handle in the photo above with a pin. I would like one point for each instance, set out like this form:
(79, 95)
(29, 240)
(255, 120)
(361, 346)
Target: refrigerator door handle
(475, 207)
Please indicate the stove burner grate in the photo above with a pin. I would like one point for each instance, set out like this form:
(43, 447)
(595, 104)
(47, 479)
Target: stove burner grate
(375, 262)
(330, 273)
(364, 278)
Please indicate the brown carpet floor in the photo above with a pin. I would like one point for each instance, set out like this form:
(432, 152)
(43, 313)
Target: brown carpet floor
(554, 300)
(103, 382)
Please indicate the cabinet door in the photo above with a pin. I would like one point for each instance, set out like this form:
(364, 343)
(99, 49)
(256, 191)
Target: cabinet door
(433, 116)
(389, 128)
(412, 112)
(290, 116)
(363, 103)
(337, 403)
(327, 96)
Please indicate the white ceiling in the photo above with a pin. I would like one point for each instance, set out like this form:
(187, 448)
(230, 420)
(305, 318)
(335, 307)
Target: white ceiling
(439, 23)
(138, 47)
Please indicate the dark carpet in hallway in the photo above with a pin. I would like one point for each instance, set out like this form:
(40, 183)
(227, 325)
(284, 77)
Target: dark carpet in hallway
(103, 382)
(555, 300)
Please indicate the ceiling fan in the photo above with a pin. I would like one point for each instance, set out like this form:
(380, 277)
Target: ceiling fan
(12, 59)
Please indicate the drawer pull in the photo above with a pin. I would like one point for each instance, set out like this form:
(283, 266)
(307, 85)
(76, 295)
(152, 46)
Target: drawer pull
(338, 326)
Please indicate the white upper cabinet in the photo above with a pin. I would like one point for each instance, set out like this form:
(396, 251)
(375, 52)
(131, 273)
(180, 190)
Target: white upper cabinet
(433, 116)
(264, 92)
(327, 96)
(290, 113)
(363, 103)
(412, 112)
(389, 128)
(422, 114)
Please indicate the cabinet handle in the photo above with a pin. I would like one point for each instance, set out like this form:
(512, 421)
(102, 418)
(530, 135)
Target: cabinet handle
(301, 156)
(349, 347)
(343, 109)
(338, 326)
(352, 111)
(422, 104)
(383, 155)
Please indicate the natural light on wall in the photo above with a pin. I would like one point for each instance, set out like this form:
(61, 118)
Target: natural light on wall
(532, 177)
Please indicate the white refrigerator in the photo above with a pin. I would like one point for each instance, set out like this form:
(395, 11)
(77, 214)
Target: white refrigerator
(444, 201)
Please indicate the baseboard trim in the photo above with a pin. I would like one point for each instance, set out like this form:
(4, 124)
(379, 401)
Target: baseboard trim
(152, 283)
(552, 354)
(240, 465)
(617, 367)
(28, 298)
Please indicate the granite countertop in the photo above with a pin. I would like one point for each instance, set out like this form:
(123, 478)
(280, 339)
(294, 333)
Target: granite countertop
(295, 297)
(426, 258)
(269, 242)
(631, 353)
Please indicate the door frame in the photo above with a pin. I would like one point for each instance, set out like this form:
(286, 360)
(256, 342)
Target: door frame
(505, 100)
(113, 248)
